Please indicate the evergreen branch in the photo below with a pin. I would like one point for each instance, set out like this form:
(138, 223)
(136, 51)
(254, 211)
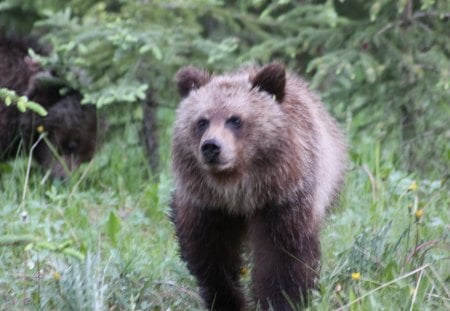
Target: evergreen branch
(22, 103)
(388, 26)
(415, 16)
(432, 14)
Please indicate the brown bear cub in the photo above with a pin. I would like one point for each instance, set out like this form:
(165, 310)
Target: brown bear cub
(256, 158)
(71, 127)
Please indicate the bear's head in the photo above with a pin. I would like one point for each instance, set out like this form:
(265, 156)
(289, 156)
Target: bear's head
(71, 135)
(228, 124)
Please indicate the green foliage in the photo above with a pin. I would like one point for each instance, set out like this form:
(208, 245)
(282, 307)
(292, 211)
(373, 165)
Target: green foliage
(390, 245)
(79, 286)
(21, 102)
(112, 228)
(112, 55)
(381, 66)
(382, 61)
(110, 209)
(31, 242)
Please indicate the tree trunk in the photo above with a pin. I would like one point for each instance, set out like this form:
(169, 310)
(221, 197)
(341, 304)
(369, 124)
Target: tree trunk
(150, 133)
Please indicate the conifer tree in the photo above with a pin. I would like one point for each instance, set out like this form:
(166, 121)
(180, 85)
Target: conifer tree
(382, 64)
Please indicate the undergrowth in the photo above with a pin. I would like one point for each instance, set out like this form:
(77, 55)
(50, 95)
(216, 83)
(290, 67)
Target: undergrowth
(102, 240)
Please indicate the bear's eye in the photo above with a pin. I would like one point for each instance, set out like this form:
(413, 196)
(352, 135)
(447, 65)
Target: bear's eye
(202, 124)
(234, 122)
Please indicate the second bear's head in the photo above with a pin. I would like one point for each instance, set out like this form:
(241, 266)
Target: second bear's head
(232, 122)
(70, 135)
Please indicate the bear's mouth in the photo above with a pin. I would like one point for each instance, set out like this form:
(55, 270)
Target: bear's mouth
(216, 165)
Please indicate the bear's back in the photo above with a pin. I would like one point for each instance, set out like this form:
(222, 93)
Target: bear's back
(328, 143)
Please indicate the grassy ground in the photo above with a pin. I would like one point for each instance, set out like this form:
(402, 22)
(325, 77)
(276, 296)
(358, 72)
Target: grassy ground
(102, 241)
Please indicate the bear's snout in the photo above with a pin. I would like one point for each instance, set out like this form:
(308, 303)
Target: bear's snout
(211, 150)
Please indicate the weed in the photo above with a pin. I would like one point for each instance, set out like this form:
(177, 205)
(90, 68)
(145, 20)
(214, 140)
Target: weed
(103, 241)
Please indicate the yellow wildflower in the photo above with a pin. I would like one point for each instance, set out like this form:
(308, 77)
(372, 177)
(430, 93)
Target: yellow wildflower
(244, 271)
(40, 129)
(356, 276)
(56, 276)
(413, 186)
(419, 214)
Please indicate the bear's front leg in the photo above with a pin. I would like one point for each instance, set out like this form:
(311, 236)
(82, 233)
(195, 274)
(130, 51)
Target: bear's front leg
(286, 253)
(210, 243)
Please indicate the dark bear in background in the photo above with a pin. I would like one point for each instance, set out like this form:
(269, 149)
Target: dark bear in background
(71, 127)
(256, 157)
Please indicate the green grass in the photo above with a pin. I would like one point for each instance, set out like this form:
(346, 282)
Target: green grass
(102, 241)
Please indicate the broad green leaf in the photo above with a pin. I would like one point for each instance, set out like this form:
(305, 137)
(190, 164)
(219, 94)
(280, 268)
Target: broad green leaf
(112, 227)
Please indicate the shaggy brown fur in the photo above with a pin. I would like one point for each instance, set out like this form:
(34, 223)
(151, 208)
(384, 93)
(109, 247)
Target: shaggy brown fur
(71, 128)
(256, 157)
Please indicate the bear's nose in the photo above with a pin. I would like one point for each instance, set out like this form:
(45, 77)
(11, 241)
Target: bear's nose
(210, 150)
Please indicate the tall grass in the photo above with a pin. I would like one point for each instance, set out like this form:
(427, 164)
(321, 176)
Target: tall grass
(102, 240)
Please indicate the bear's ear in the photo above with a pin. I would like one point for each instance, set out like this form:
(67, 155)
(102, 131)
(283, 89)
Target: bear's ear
(271, 79)
(190, 78)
